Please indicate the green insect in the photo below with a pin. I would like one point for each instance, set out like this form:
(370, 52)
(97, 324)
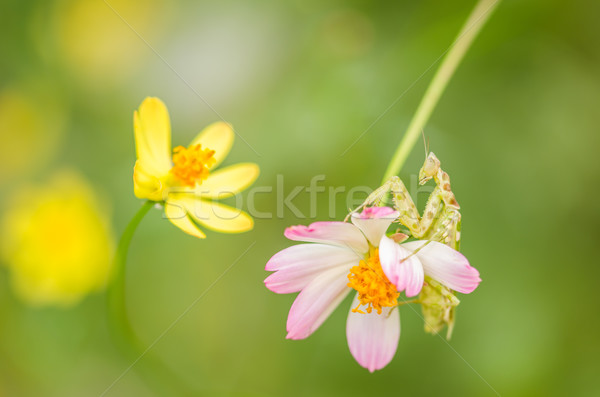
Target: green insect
(441, 221)
(441, 218)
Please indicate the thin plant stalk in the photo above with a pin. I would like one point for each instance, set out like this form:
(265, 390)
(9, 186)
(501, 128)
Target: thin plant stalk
(160, 377)
(477, 19)
(116, 292)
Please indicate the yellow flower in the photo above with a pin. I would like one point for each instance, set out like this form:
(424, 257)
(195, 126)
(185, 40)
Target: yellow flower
(94, 39)
(32, 119)
(185, 180)
(55, 242)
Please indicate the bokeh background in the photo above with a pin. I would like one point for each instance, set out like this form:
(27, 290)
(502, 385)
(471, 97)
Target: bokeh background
(517, 129)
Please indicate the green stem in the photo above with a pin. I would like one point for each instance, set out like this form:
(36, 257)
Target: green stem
(479, 16)
(116, 293)
(407, 302)
(154, 371)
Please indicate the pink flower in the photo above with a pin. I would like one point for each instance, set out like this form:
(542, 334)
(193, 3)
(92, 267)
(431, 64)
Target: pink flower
(342, 257)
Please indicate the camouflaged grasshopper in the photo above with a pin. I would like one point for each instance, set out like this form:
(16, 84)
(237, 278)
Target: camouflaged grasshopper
(441, 221)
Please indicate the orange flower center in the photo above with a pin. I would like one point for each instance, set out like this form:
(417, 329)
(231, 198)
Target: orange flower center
(374, 289)
(191, 164)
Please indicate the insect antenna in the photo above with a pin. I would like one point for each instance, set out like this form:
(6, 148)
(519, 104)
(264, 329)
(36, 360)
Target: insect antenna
(425, 143)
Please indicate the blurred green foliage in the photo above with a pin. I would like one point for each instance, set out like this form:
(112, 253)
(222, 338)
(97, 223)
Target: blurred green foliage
(517, 130)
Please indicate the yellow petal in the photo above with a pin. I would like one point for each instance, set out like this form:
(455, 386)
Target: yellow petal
(152, 130)
(228, 181)
(213, 215)
(218, 137)
(146, 185)
(176, 213)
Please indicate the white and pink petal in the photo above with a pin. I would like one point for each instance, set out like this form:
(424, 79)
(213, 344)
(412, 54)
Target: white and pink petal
(373, 338)
(335, 233)
(316, 302)
(446, 265)
(374, 222)
(298, 265)
(401, 267)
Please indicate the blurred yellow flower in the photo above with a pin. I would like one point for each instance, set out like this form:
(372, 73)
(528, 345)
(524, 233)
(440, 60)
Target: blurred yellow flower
(56, 242)
(185, 181)
(99, 40)
(30, 119)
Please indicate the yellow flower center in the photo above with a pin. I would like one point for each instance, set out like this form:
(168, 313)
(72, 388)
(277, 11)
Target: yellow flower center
(191, 164)
(374, 289)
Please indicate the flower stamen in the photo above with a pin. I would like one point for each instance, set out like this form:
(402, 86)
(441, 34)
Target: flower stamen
(191, 164)
(374, 289)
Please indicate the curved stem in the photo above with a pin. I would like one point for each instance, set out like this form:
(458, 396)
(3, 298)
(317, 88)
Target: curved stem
(478, 17)
(122, 331)
(116, 292)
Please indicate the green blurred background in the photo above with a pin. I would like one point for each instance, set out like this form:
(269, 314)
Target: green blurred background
(517, 130)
